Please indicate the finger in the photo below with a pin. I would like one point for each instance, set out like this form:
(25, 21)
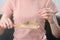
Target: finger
(44, 10)
(6, 22)
(44, 16)
(4, 25)
(10, 23)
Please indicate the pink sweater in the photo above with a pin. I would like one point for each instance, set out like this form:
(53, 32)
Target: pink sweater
(28, 10)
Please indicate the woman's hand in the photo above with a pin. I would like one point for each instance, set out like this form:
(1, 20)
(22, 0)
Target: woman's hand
(5, 22)
(47, 14)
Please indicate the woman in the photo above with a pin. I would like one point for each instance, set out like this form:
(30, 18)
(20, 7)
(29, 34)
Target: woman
(29, 18)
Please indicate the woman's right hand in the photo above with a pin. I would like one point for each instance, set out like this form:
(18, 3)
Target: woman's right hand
(5, 22)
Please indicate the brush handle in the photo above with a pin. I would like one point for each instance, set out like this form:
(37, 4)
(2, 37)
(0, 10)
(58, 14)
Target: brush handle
(26, 26)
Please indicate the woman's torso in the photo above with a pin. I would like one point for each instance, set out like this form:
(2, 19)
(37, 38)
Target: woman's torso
(28, 10)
